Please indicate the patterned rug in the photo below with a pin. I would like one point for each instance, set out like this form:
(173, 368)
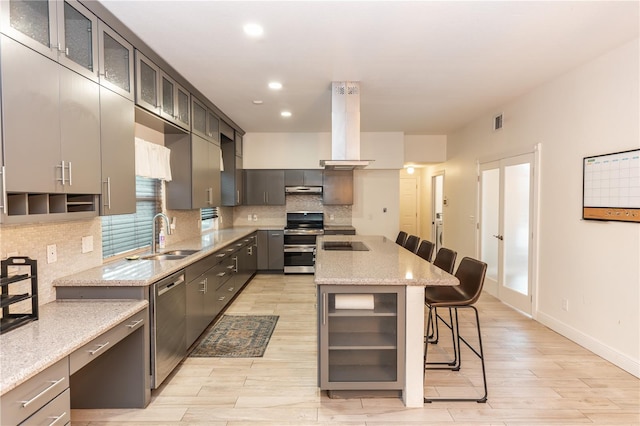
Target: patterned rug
(237, 337)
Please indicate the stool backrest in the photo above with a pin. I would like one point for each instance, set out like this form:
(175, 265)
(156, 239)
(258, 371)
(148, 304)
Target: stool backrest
(445, 259)
(425, 250)
(411, 243)
(402, 237)
(471, 273)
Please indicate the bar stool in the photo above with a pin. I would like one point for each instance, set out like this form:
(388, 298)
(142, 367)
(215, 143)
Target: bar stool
(425, 250)
(401, 238)
(445, 260)
(411, 243)
(470, 273)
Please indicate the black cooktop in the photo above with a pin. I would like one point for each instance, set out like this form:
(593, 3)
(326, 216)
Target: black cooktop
(344, 246)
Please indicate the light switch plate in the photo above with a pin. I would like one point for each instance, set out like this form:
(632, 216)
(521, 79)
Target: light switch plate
(87, 244)
(52, 255)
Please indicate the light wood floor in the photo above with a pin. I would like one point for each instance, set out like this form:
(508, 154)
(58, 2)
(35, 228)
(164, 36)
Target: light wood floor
(535, 376)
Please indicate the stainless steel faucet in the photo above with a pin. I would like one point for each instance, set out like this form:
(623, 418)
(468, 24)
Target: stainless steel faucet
(153, 232)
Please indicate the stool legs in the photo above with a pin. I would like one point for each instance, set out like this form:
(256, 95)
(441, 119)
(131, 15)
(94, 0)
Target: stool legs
(457, 340)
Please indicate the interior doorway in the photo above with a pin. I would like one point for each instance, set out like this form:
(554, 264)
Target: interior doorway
(506, 228)
(409, 204)
(437, 203)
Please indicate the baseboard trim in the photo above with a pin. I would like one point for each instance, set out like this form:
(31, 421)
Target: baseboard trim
(597, 347)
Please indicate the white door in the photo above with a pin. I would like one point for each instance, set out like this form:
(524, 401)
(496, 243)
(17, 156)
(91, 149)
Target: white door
(506, 233)
(409, 205)
(437, 202)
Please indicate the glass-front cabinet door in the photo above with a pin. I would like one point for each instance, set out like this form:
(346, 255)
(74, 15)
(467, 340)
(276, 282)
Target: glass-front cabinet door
(175, 102)
(78, 39)
(213, 127)
(116, 62)
(147, 77)
(32, 23)
(199, 122)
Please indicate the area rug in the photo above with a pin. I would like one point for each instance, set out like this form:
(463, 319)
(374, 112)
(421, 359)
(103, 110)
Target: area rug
(237, 336)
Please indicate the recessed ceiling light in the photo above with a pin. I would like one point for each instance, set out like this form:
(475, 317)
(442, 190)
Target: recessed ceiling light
(274, 85)
(257, 102)
(286, 113)
(253, 30)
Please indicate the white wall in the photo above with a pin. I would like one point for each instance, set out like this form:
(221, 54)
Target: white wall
(373, 192)
(593, 109)
(305, 150)
(423, 149)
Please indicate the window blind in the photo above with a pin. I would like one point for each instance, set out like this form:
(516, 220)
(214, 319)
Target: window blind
(208, 213)
(123, 233)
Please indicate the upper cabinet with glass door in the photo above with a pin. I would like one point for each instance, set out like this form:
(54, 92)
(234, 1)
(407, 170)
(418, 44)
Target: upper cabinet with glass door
(175, 102)
(159, 93)
(116, 62)
(65, 31)
(204, 123)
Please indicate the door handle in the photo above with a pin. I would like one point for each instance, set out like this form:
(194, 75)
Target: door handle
(500, 237)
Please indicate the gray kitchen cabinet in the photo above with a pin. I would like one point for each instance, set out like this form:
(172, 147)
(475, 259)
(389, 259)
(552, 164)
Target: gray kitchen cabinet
(204, 122)
(337, 187)
(239, 141)
(174, 102)
(264, 187)
(232, 176)
(197, 287)
(117, 146)
(147, 83)
(361, 349)
(64, 31)
(115, 66)
(195, 166)
(54, 112)
(271, 250)
(308, 177)
(160, 94)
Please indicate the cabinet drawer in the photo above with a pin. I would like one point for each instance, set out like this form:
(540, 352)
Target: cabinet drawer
(29, 397)
(55, 413)
(104, 342)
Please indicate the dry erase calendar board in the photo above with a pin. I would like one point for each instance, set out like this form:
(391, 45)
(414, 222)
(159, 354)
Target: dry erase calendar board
(611, 187)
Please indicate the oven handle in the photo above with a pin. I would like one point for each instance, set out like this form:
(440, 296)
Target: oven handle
(299, 249)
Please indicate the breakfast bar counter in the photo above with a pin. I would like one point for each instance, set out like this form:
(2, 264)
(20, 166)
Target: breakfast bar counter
(371, 315)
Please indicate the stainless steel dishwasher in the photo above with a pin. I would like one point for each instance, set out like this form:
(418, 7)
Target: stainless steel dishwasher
(168, 337)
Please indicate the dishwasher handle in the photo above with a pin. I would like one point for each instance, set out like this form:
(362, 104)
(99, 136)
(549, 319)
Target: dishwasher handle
(169, 285)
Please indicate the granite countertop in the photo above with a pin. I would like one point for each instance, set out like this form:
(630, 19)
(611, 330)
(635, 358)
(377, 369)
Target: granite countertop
(385, 263)
(141, 272)
(339, 227)
(61, 328)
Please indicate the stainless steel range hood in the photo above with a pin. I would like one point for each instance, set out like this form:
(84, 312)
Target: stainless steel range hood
(345, 127)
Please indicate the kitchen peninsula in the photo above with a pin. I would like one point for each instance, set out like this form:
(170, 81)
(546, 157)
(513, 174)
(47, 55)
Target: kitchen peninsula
(371, 315)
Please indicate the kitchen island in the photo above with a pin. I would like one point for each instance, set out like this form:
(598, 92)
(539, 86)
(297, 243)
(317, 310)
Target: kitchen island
(371, 315)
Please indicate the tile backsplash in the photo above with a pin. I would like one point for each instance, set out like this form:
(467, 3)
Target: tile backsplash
(264, 216)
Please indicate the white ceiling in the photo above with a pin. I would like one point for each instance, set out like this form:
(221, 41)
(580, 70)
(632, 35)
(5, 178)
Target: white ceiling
(425, 67)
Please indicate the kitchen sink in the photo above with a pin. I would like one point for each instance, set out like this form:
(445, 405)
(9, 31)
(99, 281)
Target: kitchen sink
(164, 256)
(181, 252)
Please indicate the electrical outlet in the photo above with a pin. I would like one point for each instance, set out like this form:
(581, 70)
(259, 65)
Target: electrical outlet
(249, 217)
(255, 217)
(565, 305)
(87, 244)
(52, 255)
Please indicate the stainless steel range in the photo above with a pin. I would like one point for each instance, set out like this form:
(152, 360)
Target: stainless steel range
(300, 241)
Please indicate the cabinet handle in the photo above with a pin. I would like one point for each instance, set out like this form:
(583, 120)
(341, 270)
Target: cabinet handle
(204, 286)
(70, 182)
(54, 383)
(108, 204)
(56, 419)
(4, 190)
(99, 348)
(209, 196)
(324, 308)
(235, 261)
(220, 255)
(61, 166)
(222, 274)
(135, 323)
(221, 298)
(230, 289)
(238, 196)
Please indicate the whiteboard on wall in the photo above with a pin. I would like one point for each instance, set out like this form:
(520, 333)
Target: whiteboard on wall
(611, 187)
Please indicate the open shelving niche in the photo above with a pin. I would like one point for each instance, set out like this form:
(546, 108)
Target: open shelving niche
(365, 345)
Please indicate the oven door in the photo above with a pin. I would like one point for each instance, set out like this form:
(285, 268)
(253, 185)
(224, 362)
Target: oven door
(299, 259)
